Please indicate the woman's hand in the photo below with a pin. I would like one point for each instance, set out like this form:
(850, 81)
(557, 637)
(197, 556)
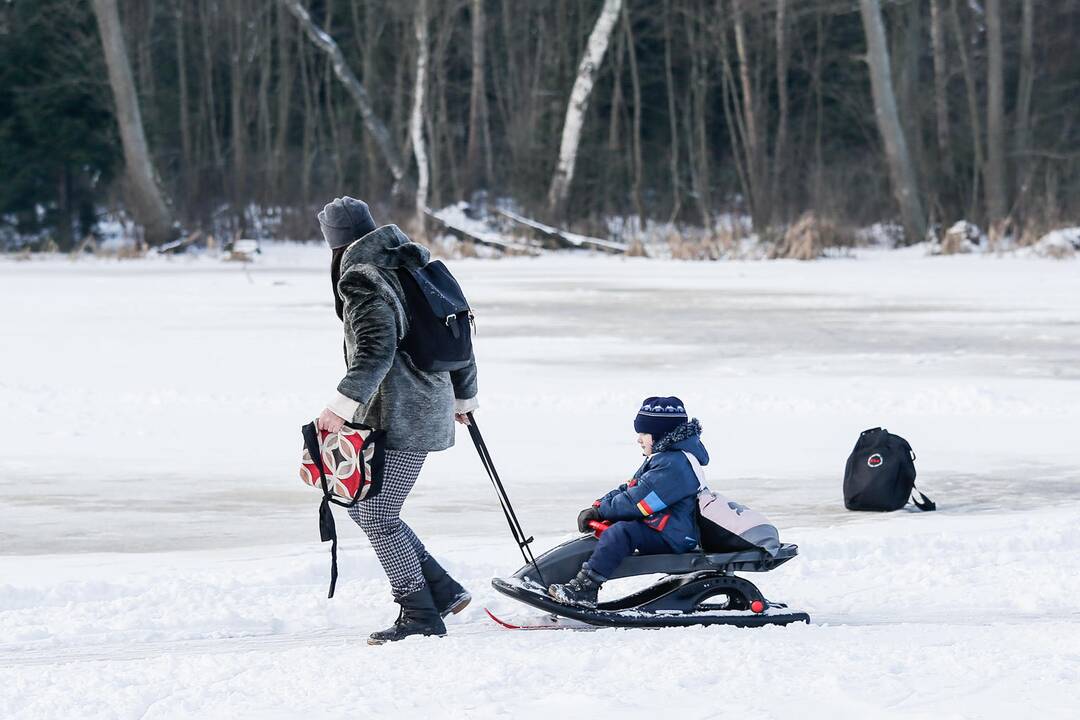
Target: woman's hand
(329, 421)
(462, 418)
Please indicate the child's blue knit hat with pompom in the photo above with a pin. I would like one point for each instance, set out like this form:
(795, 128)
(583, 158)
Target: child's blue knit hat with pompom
(660, 415)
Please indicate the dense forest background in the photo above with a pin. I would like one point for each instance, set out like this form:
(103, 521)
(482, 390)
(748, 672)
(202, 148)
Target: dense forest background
(698, 108)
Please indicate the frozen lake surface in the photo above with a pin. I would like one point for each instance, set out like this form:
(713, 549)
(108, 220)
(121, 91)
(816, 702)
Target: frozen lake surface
(160, 558)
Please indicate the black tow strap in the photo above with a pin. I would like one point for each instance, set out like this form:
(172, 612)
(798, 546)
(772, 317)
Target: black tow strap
(504, 501)
(327, 527)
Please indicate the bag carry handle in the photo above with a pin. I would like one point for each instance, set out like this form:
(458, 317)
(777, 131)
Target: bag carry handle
(327, 528)
(926, 504)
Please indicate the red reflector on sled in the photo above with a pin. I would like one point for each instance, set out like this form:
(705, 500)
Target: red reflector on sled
(757, 606)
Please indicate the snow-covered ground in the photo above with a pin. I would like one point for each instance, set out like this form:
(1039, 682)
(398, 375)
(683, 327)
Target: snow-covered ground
(159, 556)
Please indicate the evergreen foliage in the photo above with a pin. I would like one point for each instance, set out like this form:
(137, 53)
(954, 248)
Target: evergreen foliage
(58, 145)
(246, 119)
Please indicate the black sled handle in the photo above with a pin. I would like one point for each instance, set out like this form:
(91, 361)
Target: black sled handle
(504, 501)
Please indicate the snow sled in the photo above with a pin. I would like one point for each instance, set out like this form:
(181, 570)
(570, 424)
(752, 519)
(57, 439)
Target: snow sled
(698, 588)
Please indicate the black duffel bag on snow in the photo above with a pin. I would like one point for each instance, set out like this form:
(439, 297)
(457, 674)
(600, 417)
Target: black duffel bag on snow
(880, 474)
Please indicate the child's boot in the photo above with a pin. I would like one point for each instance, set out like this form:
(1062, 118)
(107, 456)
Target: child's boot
(582, 590)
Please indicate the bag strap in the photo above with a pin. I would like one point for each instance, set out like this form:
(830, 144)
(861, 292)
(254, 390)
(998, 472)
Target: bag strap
(922, 502)
(699, 471)
(926, 504)
(906, 445)
(327, 527)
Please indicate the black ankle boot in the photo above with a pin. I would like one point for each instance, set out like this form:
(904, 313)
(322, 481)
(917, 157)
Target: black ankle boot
(447, 594)
(418, 617)
(582, 590)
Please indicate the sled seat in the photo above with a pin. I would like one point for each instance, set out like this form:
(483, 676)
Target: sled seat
(756, 560)
(563, 561)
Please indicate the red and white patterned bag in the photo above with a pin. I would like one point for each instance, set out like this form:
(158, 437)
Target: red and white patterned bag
(347, 466)
(351, 463)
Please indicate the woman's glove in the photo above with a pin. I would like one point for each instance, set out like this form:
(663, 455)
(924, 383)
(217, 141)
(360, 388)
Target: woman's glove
(583, 518)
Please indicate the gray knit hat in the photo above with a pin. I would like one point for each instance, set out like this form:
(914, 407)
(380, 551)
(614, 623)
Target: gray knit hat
(344, 220)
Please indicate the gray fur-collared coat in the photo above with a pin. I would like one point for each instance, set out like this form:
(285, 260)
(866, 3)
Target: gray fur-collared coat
(382, 387)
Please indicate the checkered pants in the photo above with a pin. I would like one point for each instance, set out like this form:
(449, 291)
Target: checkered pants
(399, 550)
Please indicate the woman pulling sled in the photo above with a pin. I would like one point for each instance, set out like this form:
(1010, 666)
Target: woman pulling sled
(383, 388)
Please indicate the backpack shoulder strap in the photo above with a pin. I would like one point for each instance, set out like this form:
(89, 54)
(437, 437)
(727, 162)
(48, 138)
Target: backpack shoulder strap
(917, 497)
(699, 471)
(925, 504)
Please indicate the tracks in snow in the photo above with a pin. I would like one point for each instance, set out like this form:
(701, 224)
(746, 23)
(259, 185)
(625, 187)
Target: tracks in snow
(22, 655)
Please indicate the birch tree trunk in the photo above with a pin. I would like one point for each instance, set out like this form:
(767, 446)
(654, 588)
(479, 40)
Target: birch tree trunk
(440, 136)
(909, 52)
(901, 170)
(753, 134)
(780, 151)
(147, 200)
(973, 109)
(263, 125)
(635, 81)
(236, 111)
(284, 91)
(669, 77)
(416, 120)
(1024, 86)
(210, 106)
(697, 147)
(734, 119)
(184, 111)
(307, 141)
(579, 104)
(329, 112)
(345, 74)
(613, 142)
(941, 97)
(479, 174)
(819, 112)
(375, 24)
(1026, 79)
(995, 120)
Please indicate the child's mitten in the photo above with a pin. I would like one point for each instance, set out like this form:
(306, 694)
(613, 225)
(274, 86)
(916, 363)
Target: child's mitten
(583, 518)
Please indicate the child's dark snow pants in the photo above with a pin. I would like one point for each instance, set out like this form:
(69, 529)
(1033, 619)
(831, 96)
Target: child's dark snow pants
(622, 539)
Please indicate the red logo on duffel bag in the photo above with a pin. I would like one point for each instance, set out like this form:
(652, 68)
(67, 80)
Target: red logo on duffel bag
(875, 460)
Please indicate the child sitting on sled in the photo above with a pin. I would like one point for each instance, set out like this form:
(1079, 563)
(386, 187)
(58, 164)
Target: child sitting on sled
(655, 511)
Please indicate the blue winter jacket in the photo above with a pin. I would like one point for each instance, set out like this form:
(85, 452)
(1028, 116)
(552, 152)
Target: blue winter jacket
(663, 493)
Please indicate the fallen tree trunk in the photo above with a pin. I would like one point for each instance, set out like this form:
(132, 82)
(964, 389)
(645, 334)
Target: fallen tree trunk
(562, 238)
(480, 237)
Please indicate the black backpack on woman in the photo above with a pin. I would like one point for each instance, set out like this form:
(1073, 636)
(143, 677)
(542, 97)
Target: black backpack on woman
(880, 474)
(440, 319)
